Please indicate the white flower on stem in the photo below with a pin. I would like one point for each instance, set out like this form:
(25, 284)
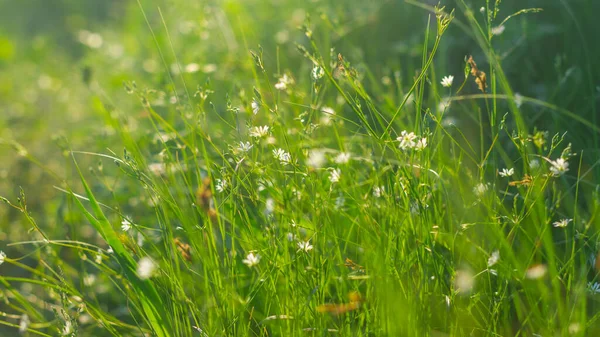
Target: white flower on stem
(305, 246)
(421, 144)
(125, 225)
(334, 175)
(24, 323)
(244, 147)
(283, 82)
(221, 185)
(259, 131)
(559, 167)
(562, 223)
(255, 106)
(251, 260)
(444, 104)
(342, 158)
(518, 100)
(316, 158)
(2, 257)
(283, 156)
(498, 30)
(317, 72)
(378, 191)
(494, 258)
(593, 287)
(447, 81)
(145, 268)
(407, 140)
(507, 172)
(464, 281)
(536, 271)
(480, 189)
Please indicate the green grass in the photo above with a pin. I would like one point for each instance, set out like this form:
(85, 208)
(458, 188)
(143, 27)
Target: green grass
(143, 195)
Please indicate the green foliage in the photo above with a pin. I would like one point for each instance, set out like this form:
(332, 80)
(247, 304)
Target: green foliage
(275, 168)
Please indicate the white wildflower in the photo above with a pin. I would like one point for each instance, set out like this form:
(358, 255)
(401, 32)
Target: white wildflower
(494, 258)
(125, 225)
(518, 100)
(209, 68)
(251, 260)
(342, 158)
(444, 104)
(559, 167)
(447, 81)
(192, 68)
(407, 140)
(316, 158)
(536, 271)
(534, 164)
(317, 72)
(255, 106)
(498, 30)
(221, 185)
(2, 257)
(24, 323)
(378, 191)
(421, 144)
(283, 82)
(562, 223)
(283, 156)
(67, 329)
(244, 147)
(593, 287)
(328, 113)
(305, 246)
(340, 201)
(259, 131)
(464, 281)
(507, 172)
(335, 175)
(480, 189)
(145, 268)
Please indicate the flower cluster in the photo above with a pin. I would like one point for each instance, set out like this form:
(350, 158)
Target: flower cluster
(408, 140)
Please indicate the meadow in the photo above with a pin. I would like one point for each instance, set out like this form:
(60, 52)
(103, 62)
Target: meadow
(299, 168)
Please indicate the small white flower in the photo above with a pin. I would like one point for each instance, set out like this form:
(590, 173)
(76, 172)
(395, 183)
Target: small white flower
(421, 144)
(89, 280)
(407, 140)
(67, 329)
(593, 288)
(447, 81)
(259, 131)
(283, 156)
(24, 323)
(335, 175)
(480, 189)
(317, 72)
(283, 82)
(305, 246)
(269, 206)
(536, 271)
(251, 260)
(494, 258)
(291, 237)
(562, 223)
(255, 106)
(507, 172)
(342, 158)
(316, 158)
(192, 68)
(464, 281)
(125, 225)
(244, 147)
(498, 30)
(221, 185)
(145, 268)
(482, 10)
(518, 100)
(328, 113)
(98, 257)
(559, 167)
(340, 201)
(444, 104)
(534, 164)
(378, 191)
(2, 257)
